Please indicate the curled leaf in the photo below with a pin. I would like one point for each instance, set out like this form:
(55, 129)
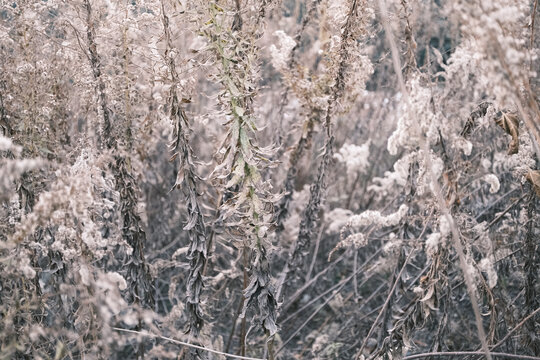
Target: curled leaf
(533, 176)
(510, 123)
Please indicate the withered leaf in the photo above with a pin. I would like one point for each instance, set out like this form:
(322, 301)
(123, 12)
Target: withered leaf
(533, 176)
(510, 123)
(477, 113)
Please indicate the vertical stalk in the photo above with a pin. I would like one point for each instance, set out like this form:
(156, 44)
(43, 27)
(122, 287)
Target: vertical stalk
(139, 278)
(186, 180)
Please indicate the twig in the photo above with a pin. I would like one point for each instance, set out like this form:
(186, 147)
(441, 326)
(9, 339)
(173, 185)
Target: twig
(174, 341)
(243, 300)
(308, 344)
(233, 328)
(341, 285)
(493, 204)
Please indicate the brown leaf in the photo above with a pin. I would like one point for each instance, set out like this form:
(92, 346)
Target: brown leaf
(477, 113)
(510, 123)
(533, 176)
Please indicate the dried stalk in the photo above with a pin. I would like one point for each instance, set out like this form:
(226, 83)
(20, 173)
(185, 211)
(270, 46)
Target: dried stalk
(139, 278)
(186, 180)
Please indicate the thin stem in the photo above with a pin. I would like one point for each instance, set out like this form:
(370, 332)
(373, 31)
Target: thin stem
(315, 252)
(174, 341)
(465, 353)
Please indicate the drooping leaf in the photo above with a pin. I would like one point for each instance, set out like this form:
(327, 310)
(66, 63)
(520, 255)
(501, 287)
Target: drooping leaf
(533, 176)
(510, 123)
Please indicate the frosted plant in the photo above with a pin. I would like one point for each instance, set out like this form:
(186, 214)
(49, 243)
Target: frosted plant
(281, 54)
(463, 145)
(353, 27)
(375, 218)
(520, 163)
(398, 177)
(424, 176)
(355, 157)
(336, 11)
(369, 219)
(73, 200)
(65, 226)
(417, 120)
(430, 170)
(7, 145)
(495, 39)
(433, 243)
(340, 79)
(431, 104)
(337, 218)
(487, 265)
(498, 41)
(141, 287)
(291, 225)
(493, 182)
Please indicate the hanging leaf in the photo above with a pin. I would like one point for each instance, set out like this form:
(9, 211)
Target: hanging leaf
(533, 176)
(510, 123)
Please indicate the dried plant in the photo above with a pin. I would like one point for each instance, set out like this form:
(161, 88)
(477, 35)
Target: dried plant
(187, 179)
(323, 179)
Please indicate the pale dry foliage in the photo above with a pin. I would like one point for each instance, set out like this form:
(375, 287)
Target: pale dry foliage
(319, 179)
